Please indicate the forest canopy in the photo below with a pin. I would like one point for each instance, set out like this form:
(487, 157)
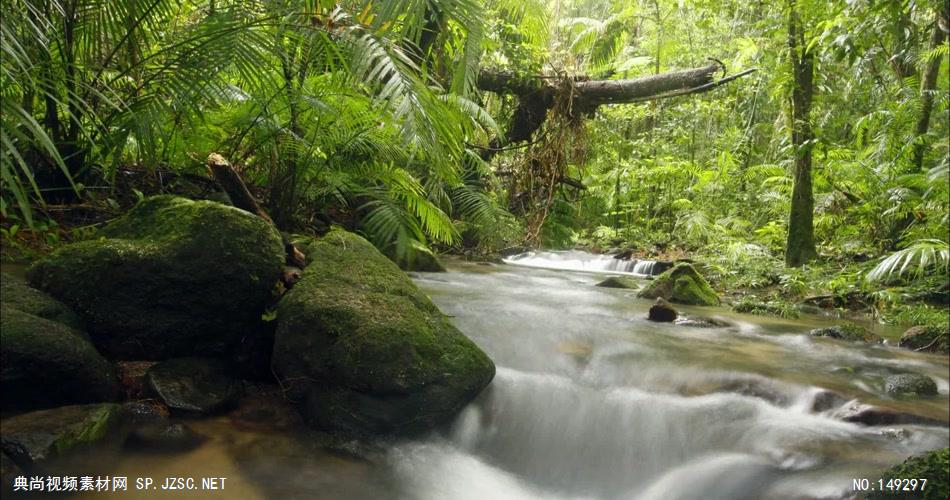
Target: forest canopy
(797, 147)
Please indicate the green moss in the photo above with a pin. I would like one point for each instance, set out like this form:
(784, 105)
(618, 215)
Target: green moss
(356, 322)
(16, 293)
(749, 305)
(171, 277)
(847, 331)
(682, 284)
(48, 434)
(933, 466)
(45, 363)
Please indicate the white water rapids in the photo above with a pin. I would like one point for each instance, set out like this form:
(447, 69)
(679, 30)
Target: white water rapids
(573, 260)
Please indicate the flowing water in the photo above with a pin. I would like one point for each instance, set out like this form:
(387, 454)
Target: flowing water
(593, 401)
(574, 260)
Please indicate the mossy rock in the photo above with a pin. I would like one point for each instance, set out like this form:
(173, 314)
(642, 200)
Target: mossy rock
(366, 351)
(16, 293)
(681, 284)
(848, 332)
(35, 439)
(926, 338)
(619, 282)
(193, 386)
(933, 466)
(44, 363)
(910, 384)
(172, 277)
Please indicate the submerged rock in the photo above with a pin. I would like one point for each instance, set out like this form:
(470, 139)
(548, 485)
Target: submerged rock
(933, 466)
(926, 338)
(701, 322)
(172, 277)
(661, 311)
(859, 413)
(364, 350)
(164, 436)
(193, 385)
(44, 363)
(682, 284)
(32, 439)
(14, 292)
(848, 332)
(910, 384)
(619, 282)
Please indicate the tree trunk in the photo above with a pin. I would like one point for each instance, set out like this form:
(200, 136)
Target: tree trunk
(800, 246)
(928, 87)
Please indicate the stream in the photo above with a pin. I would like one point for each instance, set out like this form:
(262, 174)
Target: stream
(591, 400)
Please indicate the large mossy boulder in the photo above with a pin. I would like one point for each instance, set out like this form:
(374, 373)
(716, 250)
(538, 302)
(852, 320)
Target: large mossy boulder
(365, 351)
(34, 440)
(933, 466)
(44, 363)
(172, 277)
(681, 284)
(16, 293)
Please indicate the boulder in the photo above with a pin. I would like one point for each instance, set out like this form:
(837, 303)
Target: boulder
(35, 439)
(681, 284)
(926, 338)
(193, 386)
(909, 384)
(661, 311)
(848, 332)
(859, 413)
(164, 436)
(933, 466)
(44, 363)
(15, 293)
(365, 351)
(619, 282)
(172, 277)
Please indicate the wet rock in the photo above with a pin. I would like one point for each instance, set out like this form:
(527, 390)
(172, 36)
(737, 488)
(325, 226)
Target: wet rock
(619, 282)
(363, 350)
(193, 385)
(46, 363)
(910, 384)
(35, 438)
(933, 466)
(14, 292)
(132, 377)
(864, 414)
(700, 322)
(164, 436)
(824, 400)
(173, 277)
(682, 284)
(848, 332)
(146, 411)
(661, 311)
(926, 338)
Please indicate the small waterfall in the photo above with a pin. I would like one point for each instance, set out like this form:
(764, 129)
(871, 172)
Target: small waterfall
(572, 260)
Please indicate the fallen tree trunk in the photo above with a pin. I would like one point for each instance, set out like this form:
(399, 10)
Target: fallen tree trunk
(537, 95)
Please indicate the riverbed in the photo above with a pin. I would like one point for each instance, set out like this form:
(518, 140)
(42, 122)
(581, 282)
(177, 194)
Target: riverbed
(591, 400)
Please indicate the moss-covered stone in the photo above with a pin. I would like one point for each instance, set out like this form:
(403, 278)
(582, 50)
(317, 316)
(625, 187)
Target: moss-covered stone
(16, 293)
(849, 332)
(681, 284)
(33, 439)
(926, 338)
(44, 363)
(910, 384)
(933, 466)
(619, 282)
(172, 277)
(367, 351)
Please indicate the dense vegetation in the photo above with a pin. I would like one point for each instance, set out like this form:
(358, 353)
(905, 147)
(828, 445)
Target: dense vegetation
(824, 172)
